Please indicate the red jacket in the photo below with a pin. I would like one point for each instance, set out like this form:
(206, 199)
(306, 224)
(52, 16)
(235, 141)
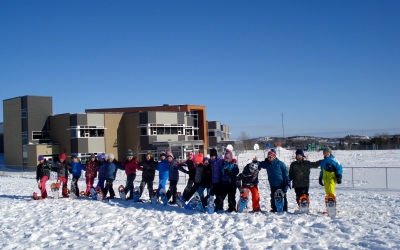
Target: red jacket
(131, 166)
(91, 169)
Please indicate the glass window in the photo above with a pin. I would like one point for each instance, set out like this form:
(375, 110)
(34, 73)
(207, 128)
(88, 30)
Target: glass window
(211, 133)
(24, 138)
(73, 133)
(174, 130)
(160, 131)
(23, 113)
(143, 131)
(167, 130)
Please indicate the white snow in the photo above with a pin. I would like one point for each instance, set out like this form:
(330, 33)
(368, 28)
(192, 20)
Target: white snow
(368, 218)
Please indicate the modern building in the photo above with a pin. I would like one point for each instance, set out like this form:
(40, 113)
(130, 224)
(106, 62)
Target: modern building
(1, 138)
(30, 129)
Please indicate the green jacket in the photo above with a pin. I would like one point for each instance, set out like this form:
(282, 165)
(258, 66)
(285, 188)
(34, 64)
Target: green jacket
(299, 172)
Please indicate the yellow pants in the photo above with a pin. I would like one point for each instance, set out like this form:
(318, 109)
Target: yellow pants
(330, 181)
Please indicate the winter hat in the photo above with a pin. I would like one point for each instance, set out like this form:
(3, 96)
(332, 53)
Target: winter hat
(92, 156)
(328, 149)
(110, 156)
(198, 158)
(272, 153)
(40, 157)
(130, 153)
(63, 157)
(205, 159)
(163, 154)
(234, 160)
(228, 155)
(213, 152)
(190, 154)
(300, 152)
(101, 157)
(169, 154)
(74, 156)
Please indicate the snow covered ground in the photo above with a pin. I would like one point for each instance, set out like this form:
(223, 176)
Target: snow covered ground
(369, 217)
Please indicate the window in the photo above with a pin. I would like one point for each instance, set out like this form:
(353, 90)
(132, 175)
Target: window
(24, 138)
(40, 135)
(87, 131)
(23, 113)
(143, 131)
(211, 133)
(160, 131)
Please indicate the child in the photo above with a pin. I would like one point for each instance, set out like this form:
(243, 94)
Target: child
(299, 173)
(91, 172)
(206, 178)
(149, 172)
(102, 171)
(198, 166)
(192, 172)
(216, 172)
(131, 165)
(76, 171)
(248, 179)
(42, 176)
(228, 182)
(173, 176)
(112, 168)
(62, 167)
(331, 172)
(277, 176)
(163, 173)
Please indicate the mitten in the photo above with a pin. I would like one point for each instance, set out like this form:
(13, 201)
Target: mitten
(339, 179)
(320, 181)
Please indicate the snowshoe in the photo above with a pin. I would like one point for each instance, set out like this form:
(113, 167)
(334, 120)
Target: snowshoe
(83, 193)
(54, 190)
(279, 200)
(163, 196)
(180, 200)
(304, 204)
(136, 194)
(99, 193)
(330, 202)
(153, 197)
(195, 203)
(241, 206)
(71, 194)
(92, 194)
(121, 191)
(210, 205)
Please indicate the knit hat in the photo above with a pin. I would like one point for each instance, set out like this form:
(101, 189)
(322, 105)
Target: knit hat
(190, 154)
(300, 152)
(272, 153)
(63, 157)
(40, 157)
(130, 153)
(213, 152)
(169, 154)
(228, 155)
(205, 159)
(101, 156)
(110, 156)
(163, 154)
(328, 149)
(92, 156)
(198, 158)
(74, 156)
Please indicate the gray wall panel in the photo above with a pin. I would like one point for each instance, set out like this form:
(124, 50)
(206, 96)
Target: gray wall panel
(82, 119)
(96, 145)
(166, 117)
(95, 119)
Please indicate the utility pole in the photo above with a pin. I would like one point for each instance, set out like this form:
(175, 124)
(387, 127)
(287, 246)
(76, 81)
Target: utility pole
(283, 128)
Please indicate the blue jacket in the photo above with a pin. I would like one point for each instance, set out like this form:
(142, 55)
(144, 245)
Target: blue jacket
(112, 168)
(163, 169)
(102, 170)
(76, 169)
(330, 164)
(229, 172)
(277, 172)
(173, 170)
(216, 169)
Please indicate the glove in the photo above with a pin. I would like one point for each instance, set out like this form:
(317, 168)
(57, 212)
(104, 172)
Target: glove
(320, 181)
(339, 179)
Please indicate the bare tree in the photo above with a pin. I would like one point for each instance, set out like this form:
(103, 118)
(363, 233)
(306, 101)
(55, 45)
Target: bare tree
(244, 137)
(137, 149)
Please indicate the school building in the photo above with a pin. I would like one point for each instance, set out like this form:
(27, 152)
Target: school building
(30, 129)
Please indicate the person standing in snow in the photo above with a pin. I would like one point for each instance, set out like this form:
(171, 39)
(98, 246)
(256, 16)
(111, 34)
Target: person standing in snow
(62, 167)
(131, 165)
(42, 175)
(198, 167)
(91, 172)
(112, 168)
(102, 171)
(76, 171)
(248, 179)
(277, 177)
(299, 174)
(149, 171)
(216, 172)
(192, 173)
(173, 176)
(228, 182)
(163, 173)
(331, 172)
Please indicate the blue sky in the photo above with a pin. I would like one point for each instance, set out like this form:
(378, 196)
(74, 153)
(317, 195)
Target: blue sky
(331, 67)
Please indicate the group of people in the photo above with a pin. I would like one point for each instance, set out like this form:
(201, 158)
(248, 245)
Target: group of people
(216, 176)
